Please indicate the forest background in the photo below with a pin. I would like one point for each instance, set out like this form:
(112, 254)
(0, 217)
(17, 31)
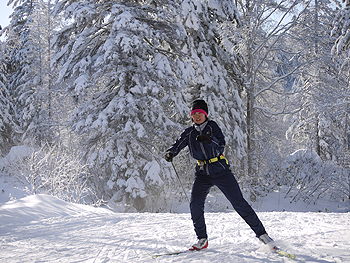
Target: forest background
(92, 93)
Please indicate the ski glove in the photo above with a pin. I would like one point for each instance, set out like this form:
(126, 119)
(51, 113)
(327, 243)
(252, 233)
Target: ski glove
(169, 156)
(203, 138)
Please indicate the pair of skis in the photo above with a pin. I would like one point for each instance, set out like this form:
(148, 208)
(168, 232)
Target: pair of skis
(275, 250)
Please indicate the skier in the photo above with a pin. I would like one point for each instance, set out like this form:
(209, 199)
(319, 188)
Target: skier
(206, 144)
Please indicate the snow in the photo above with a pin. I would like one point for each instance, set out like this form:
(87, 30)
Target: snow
(153, 172)
(16, 154)
(42, 228)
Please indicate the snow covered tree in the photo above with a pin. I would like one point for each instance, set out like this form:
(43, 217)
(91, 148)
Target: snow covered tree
(8, 124)
(319, 128)
(267, 67)
(29, 78)
(54, 170)
(317, 124)
(341, 30)
(214, 74)
(134, 68)
(58, 171)
(42, 29)
(340, 50)
(122, 63)
(307, 177)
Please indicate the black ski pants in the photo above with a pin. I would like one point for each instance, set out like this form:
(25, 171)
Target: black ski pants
(227, 183)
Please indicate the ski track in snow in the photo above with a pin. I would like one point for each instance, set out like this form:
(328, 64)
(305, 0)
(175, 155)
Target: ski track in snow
(45, 229)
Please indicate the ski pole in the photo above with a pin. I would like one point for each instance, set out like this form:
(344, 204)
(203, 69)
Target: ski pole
(183, 189)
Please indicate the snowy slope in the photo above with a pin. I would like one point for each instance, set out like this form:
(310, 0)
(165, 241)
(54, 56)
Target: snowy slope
(43, 228)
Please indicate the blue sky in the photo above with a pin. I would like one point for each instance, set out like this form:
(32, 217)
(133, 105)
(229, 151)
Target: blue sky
(5, 11)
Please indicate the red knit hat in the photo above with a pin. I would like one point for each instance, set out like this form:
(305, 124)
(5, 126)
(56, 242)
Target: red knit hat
(199, 106)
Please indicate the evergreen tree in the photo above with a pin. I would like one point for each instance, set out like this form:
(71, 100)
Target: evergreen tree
(42, 29)
(29, 77)
(134, 69)
(122, 63)
(216, 76)
(8, 124)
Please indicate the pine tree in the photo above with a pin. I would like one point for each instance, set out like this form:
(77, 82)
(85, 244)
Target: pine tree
(134, 68)
(214, 75)
(29, 63)
(8, 124)
(42, 29)
(122, 62)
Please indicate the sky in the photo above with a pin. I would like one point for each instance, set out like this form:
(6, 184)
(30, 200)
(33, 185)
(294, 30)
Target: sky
(5, 11)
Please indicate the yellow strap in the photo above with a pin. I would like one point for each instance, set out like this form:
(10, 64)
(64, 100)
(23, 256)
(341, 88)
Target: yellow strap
(213, 160)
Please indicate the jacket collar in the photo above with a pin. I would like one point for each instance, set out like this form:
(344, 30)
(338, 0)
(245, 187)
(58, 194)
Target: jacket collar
(200, 127)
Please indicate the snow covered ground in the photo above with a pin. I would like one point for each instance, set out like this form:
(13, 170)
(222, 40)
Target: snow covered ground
(44, 228)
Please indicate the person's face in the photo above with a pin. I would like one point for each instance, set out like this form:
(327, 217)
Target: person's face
(198, 117)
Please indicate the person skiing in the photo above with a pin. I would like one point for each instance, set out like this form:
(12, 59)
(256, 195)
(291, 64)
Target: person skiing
(206, 144)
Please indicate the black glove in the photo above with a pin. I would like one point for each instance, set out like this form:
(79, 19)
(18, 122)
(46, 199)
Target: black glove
(203, 138)
(169, 156)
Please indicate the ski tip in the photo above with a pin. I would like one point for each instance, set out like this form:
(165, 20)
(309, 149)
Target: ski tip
(286, 254)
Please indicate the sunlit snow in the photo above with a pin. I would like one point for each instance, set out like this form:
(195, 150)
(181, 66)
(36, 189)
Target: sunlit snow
(43, 228)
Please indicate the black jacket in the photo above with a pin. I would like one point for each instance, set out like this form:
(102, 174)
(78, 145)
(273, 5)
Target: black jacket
(203, 151)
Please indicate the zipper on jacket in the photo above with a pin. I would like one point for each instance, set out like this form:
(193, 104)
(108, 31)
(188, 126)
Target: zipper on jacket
(204, 153)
